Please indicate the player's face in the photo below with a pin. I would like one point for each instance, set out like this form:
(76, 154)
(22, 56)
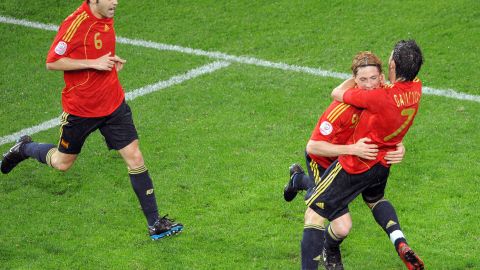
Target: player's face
(368, 78)
(104, 8)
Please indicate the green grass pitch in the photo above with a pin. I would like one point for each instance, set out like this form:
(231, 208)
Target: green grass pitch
(218, 146)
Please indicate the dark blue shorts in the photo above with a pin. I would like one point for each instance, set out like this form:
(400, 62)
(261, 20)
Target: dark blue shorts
(315, 171)
(117, 129)
(337, 189)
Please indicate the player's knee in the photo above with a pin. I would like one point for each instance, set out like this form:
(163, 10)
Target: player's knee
(136, 160)
(63, 166)
(343, 230)
(341, 226)
(61, 161)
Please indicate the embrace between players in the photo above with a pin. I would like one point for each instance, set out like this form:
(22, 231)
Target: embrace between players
(363, 127)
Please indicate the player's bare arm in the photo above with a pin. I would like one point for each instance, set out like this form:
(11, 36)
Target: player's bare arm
(103, 63)
(395, 157)
(361, 149)
(338, 92)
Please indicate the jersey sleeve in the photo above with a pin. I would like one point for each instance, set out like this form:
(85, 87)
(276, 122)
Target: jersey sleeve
(330, 123)
(327, 131)
(66, 40)
(365, 99)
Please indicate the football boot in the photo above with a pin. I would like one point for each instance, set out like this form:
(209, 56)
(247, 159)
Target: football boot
(164, 227)
(15, 155)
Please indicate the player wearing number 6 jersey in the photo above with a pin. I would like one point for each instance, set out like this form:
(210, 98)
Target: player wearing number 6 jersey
(388, 114)
(84, 49)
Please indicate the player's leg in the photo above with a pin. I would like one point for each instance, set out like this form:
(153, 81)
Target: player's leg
(312, 240)
(300, 181)
(335, 233)
(294, 185)
(61, 161)
(322, 204)
(141, 182)
(16, 154)
(74, 131)
(50, 155)
(386, 217)
(332, 195)
(120, 134)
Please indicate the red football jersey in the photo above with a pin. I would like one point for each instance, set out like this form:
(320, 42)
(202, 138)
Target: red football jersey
(336, 126)
(87, 92)
(388, 114)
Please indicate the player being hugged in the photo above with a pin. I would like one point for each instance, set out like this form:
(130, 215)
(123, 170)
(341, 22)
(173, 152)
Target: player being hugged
(387, 115)
(328, 141)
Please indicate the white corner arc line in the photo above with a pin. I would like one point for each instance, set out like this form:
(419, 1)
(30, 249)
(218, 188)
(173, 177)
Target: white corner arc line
(209, 68)
(449, 93)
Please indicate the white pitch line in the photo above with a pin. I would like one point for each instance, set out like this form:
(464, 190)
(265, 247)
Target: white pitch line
(232, 58)
(449, 93)
(209, 68)
(43, 26)
(31, 130)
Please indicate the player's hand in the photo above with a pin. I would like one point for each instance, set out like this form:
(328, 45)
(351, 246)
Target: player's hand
(104, 63)
(119, 62)
(394, 157)
(364, 149)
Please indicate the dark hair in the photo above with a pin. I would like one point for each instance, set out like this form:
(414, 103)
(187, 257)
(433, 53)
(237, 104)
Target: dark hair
(408, 59)
(365, 59)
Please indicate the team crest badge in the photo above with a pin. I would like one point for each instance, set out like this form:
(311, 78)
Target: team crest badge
(326, 128)
(61, 48)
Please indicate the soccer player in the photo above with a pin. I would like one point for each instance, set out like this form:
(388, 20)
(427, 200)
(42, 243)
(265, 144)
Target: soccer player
(328, 141)
(387, 116)
(84, 49)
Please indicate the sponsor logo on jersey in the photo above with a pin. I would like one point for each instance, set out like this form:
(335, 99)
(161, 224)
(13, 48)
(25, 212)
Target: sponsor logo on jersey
(326, 128)
(61, 48)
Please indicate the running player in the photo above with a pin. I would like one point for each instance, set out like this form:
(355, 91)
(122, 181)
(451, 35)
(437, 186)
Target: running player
(84, 49)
